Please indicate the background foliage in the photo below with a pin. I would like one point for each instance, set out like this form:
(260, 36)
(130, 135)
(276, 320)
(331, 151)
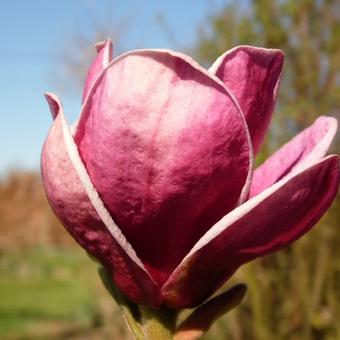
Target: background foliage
(49, 289)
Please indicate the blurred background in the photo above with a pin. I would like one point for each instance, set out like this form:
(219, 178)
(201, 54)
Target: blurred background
(49, 288)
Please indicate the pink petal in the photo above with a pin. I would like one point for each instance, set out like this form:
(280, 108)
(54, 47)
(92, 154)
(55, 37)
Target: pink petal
(103, 58)
(168, 151)
(53, 103)
(266, 223)
(78, 208)
(252, 74)
(303, 150)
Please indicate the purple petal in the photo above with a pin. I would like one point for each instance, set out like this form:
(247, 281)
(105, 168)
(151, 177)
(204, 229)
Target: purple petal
(264, 224)
(303, 150)
(168, 151)
(68, 193)
(103, 58)
(252, 74)
(204, 316)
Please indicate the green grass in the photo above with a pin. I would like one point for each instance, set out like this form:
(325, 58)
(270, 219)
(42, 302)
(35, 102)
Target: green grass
(41, 288)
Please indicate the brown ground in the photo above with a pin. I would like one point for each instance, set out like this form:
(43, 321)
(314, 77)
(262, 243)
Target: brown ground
(25, 216)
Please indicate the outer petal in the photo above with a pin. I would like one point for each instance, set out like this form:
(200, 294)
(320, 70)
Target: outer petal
(252, 74)
(68, 196)
(266, 223)
(168, 151)
(204, 316)
(53, 103)
(303, 150)
(103, 58)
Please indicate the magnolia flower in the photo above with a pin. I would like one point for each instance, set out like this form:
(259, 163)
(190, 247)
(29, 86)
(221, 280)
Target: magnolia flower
(156, 178)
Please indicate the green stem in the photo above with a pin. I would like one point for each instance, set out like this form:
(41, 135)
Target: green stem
(158, 323)
(144, 323)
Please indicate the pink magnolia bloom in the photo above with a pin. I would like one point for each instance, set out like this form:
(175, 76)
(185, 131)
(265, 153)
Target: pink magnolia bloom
(156, 178)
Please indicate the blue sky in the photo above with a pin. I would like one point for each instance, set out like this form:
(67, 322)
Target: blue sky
(34, 33)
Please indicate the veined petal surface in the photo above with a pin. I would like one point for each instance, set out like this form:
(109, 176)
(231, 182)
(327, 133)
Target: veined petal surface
(167, 149)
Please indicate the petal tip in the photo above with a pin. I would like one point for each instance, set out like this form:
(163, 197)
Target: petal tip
(53, 103)
(330, 121)
(102, 44)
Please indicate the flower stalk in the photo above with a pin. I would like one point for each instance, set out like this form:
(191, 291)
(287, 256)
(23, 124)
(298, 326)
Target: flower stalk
(147, 323)
(158, 323)
(143, 322)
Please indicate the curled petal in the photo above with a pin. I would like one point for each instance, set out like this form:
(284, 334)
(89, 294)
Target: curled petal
(303, 150)
(67, 190)
(252, 74)
(265, 223)
(168, 151)
(53, 103)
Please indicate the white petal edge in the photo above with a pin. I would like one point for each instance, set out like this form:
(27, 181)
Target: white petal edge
(212, 70)
(217, 63)
(320, 148)
(246, 188)
(107, 44)
(93, 195)
(228, 220)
